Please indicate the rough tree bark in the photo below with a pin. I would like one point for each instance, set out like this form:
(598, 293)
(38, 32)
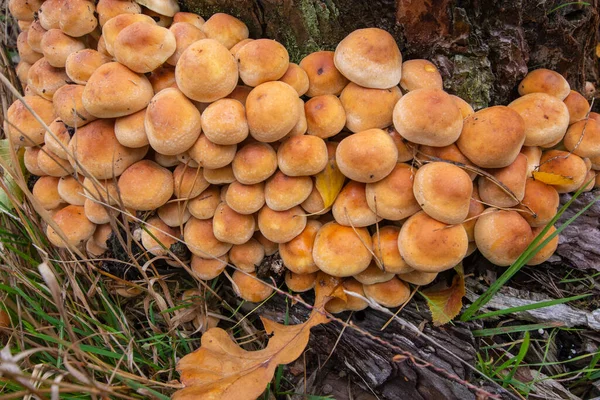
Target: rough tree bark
(483, 49)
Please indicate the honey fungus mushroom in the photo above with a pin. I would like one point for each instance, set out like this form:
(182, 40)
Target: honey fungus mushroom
(428, 116)
(369, 57)
(73, 226)
(203, 133)
(342, 250)
(429, 245)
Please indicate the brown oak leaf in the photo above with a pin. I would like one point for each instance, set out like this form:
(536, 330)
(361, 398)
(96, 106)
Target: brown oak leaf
(221, 369)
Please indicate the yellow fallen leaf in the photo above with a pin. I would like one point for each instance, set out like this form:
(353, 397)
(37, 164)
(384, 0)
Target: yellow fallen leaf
(598, 50)
(446, 302)
(221, 370)
(329, 182)
(552, 179)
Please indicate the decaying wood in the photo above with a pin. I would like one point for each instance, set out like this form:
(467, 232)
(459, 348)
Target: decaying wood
(561, 313)
(369, 358)
(579, 243)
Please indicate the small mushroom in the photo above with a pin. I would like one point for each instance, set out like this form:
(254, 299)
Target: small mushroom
(576, 103)
(224, 122)
(428, 116)
(368, 108)
(247, 256)
(130, 130)
(429, 245)
(232, 227)
(26, 53)
(94, 150)
(22, 128)
(281, 226)
(444, 191)
(188, 17)
(30, 159)
(206, 71)
(71, 190)
(492, 137)
(370, 58)
(546, 118)
(271, 111)
(45, 190)
(200, 239)
(68, 106)
(174, 214)
(108, 9)
(325, 116)
(163, 7)
(351, 303)
(249, 287)
(53, 165)
(211, 155)
(373, 274)
(367, 156)
(114, 91)
(501, 236)
(297, 254)
(302, 155)
(545, 81)
(219, 176)
(385, 250)
(393, 196)
(512, 177)
(323, 76)
(392, 293)
(300, 282)
(114, 26)
(254, 163)
(74, 226)
(208, 268)
(583, 138)
(188, 182)
(77, 17)
(143, 47)
(34, 36)
(297, 78)
(261, 61)
(546, 251)
(564, 164)
(145, 186)
(225, 29)
(81, 64)
(24, 10)
(44, 80)
(351, 207)
(418, 277)
(420, 74)
(158, 237)
(282, 192)
(342, 250)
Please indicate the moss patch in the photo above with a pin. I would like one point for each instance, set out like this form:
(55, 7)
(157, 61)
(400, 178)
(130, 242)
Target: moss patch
(472, 80)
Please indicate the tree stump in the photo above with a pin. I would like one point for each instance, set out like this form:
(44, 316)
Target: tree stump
(483, 49)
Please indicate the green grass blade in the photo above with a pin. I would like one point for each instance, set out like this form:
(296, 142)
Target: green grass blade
(528, 307)
(520, 356)
(514, 329)
(571, 3)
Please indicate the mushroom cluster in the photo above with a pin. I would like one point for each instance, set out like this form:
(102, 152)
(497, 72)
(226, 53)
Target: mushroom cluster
(218, 141)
